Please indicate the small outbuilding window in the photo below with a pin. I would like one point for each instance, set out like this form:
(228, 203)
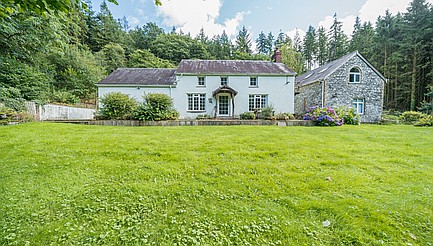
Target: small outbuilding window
(358, 105)
(355, 75)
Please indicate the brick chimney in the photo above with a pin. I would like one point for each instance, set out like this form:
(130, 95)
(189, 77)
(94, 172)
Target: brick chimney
(276, 57)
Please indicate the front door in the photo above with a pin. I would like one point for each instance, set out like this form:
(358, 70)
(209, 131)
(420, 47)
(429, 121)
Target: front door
(223, 105)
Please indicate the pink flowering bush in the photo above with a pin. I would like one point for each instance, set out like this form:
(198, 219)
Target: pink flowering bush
(323, 116)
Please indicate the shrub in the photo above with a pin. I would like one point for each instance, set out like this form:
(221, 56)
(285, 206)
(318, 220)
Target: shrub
(116, 106)
(267, 113)
(426, 120)
(203, 117)
(11, 98)
(284, 116)
(349, 115)
(323, 116)
(247, 116)
(410, 117)
(64, 97)
(156, 107)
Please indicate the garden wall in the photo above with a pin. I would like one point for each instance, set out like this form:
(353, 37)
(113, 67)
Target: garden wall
(191, 122)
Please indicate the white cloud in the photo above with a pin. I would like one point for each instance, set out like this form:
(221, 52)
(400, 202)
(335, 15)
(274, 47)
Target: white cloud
(368, 12)
(293, 32)
(133, 21)
(197, 14)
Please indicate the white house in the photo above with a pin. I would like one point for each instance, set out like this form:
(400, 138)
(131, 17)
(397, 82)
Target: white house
(218, 88)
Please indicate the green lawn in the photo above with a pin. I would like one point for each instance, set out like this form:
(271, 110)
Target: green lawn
(259, 185)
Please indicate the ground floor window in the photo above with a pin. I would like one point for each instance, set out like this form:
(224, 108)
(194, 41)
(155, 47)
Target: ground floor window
(257, 102)
(196, 102)
(358, 104)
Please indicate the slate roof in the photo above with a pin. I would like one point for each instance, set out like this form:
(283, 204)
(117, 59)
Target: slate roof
(233, 67)
(140, 76)
(324, 71)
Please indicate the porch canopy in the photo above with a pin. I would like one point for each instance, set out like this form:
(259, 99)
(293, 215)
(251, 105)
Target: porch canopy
(225, 89)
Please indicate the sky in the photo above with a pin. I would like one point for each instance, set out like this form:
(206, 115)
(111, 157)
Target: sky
(288, 16)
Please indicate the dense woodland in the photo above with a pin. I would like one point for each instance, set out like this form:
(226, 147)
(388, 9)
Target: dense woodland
(59, 55)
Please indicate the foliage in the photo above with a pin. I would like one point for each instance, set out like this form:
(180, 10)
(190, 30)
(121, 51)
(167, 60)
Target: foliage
(267, 113)
(410, 117)
(11, 98)
(203, 117)
(111, 56)
(116, 106)
(247, 116)
(145, 59)
(426, 120)
(323, 116)
(238, 185)
(284, 116)
(64, 97)
(75, 70)
(28, 81)
(348, 115)
(156, 107)
(292, 58)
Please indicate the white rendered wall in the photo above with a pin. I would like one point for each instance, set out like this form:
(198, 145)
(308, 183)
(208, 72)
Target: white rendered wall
(280, 91)
(136, 92)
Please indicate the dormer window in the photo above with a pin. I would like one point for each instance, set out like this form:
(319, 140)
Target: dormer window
(224, 81)
(355, 75)
(200, 81)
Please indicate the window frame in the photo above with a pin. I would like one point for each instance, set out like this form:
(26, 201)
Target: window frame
(356, 76)
(226, 80)
(199, 78)
(256, 83)
(255, 100)
(359, 105)
(196, 102)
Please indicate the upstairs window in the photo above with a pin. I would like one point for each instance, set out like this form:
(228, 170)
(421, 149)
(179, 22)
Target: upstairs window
(355, 75)
(224, 81)
(253, 82)
(200, 81)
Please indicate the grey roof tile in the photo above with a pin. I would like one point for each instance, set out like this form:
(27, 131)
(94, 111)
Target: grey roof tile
(324, 71)
(140, 76)
(233, 67)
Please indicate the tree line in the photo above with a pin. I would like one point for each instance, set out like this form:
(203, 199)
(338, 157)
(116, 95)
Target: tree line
(60, 55)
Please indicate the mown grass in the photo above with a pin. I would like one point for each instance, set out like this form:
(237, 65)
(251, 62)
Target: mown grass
(73, 184)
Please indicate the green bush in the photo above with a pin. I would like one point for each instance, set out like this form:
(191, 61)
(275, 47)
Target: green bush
(156, 107)
(11, 98)
(410, 117)
(284, 116)
(247, 116)
(349, 115)
(116, 106)
(267, 113)
(426, 120)
(203, 117)
(64, 97)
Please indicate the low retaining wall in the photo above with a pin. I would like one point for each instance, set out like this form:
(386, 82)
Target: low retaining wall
(190, 122)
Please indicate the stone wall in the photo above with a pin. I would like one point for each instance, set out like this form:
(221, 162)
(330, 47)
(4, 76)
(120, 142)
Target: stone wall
(309, 95)
(339, 92)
